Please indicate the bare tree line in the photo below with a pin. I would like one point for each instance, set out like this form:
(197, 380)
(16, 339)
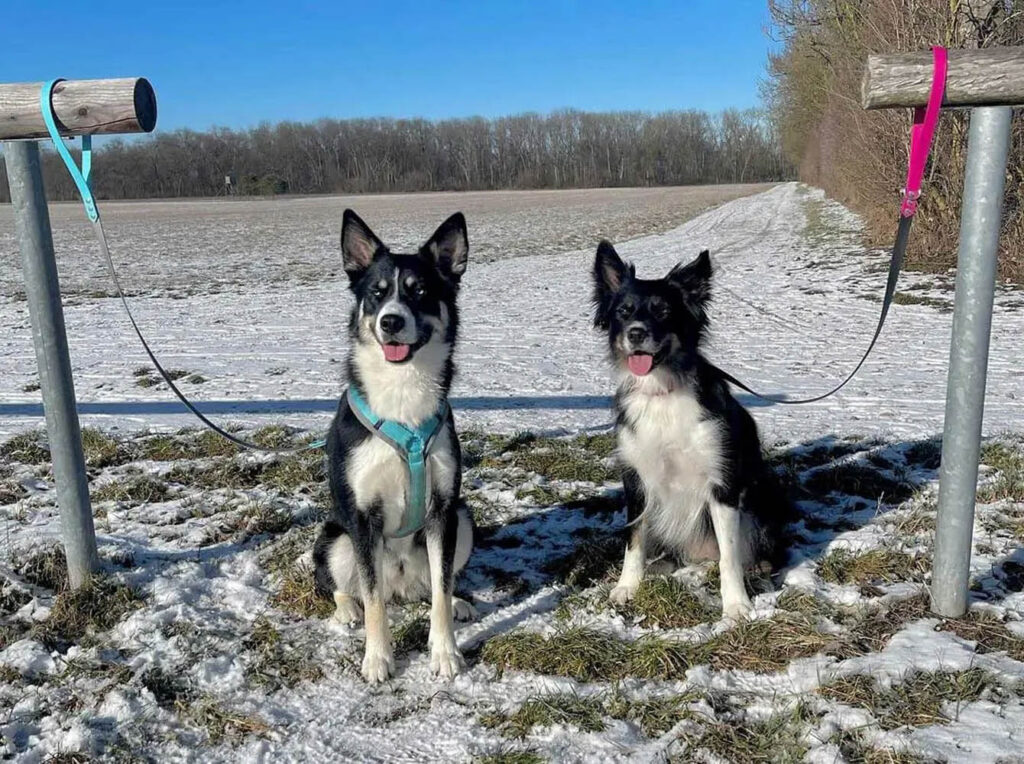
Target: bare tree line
(565, 149)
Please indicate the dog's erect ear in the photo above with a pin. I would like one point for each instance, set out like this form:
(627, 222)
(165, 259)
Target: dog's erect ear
(694, 281)
(609, 274)
(358, 245)
(449, 246)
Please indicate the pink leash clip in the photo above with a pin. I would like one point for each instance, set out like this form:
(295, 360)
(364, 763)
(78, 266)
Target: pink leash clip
(921, 134)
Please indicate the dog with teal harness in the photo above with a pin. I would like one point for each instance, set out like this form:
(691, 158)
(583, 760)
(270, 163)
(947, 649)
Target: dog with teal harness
(398, 528)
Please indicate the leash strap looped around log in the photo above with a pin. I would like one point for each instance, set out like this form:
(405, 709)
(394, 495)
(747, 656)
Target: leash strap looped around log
(925, 120)
(80, 175)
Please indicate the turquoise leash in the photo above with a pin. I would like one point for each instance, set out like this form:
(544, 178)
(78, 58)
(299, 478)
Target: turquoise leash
(80, 175)
(413, 445)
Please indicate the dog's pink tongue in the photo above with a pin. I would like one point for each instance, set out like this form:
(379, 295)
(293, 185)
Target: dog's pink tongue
(640, 364)
(396, 353)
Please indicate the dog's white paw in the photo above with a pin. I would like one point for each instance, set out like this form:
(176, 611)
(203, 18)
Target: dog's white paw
(462, 610)
(346, 609)
(737, 609)
(445, 660)
(622, 594)
(378, 665)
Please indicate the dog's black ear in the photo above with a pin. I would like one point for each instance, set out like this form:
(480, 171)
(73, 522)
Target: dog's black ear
(358, 245)
(694, 281)
(609, 274)
(449, 246)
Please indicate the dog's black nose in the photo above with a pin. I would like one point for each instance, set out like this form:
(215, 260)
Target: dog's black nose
(392, 323)
(636, 334)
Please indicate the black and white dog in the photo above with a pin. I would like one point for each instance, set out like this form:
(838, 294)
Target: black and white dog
(695, 482)
(403, 329)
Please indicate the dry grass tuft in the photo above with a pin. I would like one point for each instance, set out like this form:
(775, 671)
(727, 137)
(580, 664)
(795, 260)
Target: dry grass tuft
(221, 723)
(858, 479)
(137, 489)
(586, 714)
(768, 646)
(777, 739)
(273, 663)
(877, 566)
(86, 612)
(988, 632)
(204, 445)
(915, 702)
(47, 568)
(26, 448)
(569, 459)
(102, 450)
(1008, 483)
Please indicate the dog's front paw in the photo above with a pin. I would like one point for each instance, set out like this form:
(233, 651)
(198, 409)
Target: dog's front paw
(446, 661)
(378, 665)
(462, 610)
(737, 609)
(622, 594)
(346, 609)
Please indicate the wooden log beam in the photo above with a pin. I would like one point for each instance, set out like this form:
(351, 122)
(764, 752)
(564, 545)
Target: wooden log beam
(980, 77)
(82, 107)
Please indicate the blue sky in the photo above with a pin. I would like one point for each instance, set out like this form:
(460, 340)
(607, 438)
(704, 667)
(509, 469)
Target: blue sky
(237, 64)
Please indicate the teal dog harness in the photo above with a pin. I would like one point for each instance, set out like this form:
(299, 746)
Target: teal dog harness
(413, 445)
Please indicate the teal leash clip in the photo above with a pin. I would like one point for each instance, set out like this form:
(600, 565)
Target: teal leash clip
(80, 175)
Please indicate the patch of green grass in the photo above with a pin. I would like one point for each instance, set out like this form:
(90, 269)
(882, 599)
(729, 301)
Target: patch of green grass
(411, 635)
(224, 474)
(776, 740)
(89, 610)
(579, 653)
(1008, 482)
(102, 450)
(544, 496)
(273, 663)
(584, 654)
(511, 756)
(137, 489)
(26, 448)
(196, 379)
(655, 715)
(142, 371)
(47, 568)
(917, 701)
(169, 448)
(858, 480)
(147, 382)
(770, 645)
(886, 566)
(667, 603)
(221, 723)
(586, 714)
(293, 472)
(906, 298)
(872, 630)
(576, 459)
(296, 594)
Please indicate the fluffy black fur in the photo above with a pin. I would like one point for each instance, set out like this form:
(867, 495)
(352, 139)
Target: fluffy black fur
(666, 320)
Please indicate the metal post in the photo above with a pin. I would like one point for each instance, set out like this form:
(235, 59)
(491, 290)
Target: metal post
(32, 222)
(980, 216)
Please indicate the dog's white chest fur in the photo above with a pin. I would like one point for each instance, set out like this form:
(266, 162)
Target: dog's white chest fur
(677, 452)
(377, 474)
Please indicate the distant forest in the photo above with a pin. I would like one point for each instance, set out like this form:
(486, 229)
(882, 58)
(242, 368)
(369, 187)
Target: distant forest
(565, 149)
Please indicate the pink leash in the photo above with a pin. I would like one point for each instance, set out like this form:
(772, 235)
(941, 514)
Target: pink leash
(920, 146)
(921, 134)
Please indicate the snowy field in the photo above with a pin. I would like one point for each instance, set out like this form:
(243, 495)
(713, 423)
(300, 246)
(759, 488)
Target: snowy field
(204, 643)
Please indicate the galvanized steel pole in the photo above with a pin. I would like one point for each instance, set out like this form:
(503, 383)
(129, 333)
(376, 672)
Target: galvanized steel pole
(980, 218)
(32, 222)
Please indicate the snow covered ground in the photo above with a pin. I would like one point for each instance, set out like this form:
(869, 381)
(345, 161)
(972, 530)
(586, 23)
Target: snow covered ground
(203, 644)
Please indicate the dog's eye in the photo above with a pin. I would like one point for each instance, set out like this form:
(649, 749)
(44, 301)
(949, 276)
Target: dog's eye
(659, 310)
(378, 292)
(418, 290)
(625, 310)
